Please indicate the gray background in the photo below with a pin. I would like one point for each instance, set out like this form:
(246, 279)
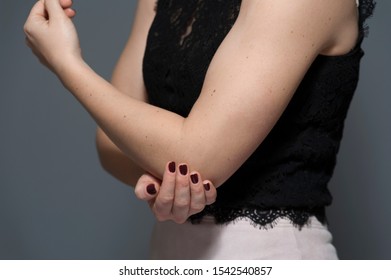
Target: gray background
(57, 203)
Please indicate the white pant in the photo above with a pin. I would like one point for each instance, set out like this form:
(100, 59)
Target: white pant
(241, 240)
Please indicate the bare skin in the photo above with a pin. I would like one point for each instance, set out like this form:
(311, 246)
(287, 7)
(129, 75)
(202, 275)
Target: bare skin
(268, 51)
(177, 197)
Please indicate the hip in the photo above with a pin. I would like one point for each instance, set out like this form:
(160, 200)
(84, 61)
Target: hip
(241, 239)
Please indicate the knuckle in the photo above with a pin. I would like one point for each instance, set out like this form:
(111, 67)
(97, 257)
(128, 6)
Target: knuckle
(181, 204)
(165, 199)
(197, 207)
(198, 191)
(164, 203)
(25, 28)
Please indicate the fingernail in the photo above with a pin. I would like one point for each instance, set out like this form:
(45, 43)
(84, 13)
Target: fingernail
(171, 167)
(183, 169)
(194, 178)
(207, 186)
(151, 189)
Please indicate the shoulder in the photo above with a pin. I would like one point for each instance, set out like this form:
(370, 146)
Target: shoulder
(323, 23)
(316, 11)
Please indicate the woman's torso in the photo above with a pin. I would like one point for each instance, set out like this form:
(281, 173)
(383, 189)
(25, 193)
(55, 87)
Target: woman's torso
(288, 174)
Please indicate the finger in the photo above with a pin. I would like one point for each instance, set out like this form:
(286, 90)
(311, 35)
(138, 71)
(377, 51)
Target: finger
(165, 198)
(66, 3)
(180, 210)
(54, 8)
(38, 9)
(67, 7)
(147, 187)
(70, 12)
(197, 194)
(210, 192)
(37, 14)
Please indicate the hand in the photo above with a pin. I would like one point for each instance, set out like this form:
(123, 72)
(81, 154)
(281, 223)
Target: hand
(180, 194)
(51, 35)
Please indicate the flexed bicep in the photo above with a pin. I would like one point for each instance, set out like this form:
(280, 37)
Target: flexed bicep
(253, 76)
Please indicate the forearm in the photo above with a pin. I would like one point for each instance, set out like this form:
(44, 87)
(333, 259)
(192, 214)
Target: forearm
(144, 133)
(250, 81)
(150, 136)
(115, 162)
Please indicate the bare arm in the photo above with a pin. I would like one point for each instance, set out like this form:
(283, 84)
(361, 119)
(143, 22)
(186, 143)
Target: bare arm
(127, 78)
(250, 81)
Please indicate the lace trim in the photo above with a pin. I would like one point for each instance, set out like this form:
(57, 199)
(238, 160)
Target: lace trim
(366, 9)
(264, 219)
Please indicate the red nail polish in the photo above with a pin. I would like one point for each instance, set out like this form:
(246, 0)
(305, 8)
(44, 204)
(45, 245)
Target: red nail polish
(151, 189)
(171, 167)
(194, 178)
(183, 169)
(207, 186)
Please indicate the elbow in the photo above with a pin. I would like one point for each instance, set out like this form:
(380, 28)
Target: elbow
(104, 160)
(103, 154)
(215, 165)
(115, 163)
(213, 171)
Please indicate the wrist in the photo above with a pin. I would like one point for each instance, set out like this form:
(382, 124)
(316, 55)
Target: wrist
(65, 62)
(69, 68)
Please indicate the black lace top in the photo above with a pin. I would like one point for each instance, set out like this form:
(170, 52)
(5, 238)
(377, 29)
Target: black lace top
(287, 175)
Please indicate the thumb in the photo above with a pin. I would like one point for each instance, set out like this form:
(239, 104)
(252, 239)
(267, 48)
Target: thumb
(147, 187)
(53, 8)
(38, 10)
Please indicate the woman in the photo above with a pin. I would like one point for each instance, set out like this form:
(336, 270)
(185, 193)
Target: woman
(252, 94)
